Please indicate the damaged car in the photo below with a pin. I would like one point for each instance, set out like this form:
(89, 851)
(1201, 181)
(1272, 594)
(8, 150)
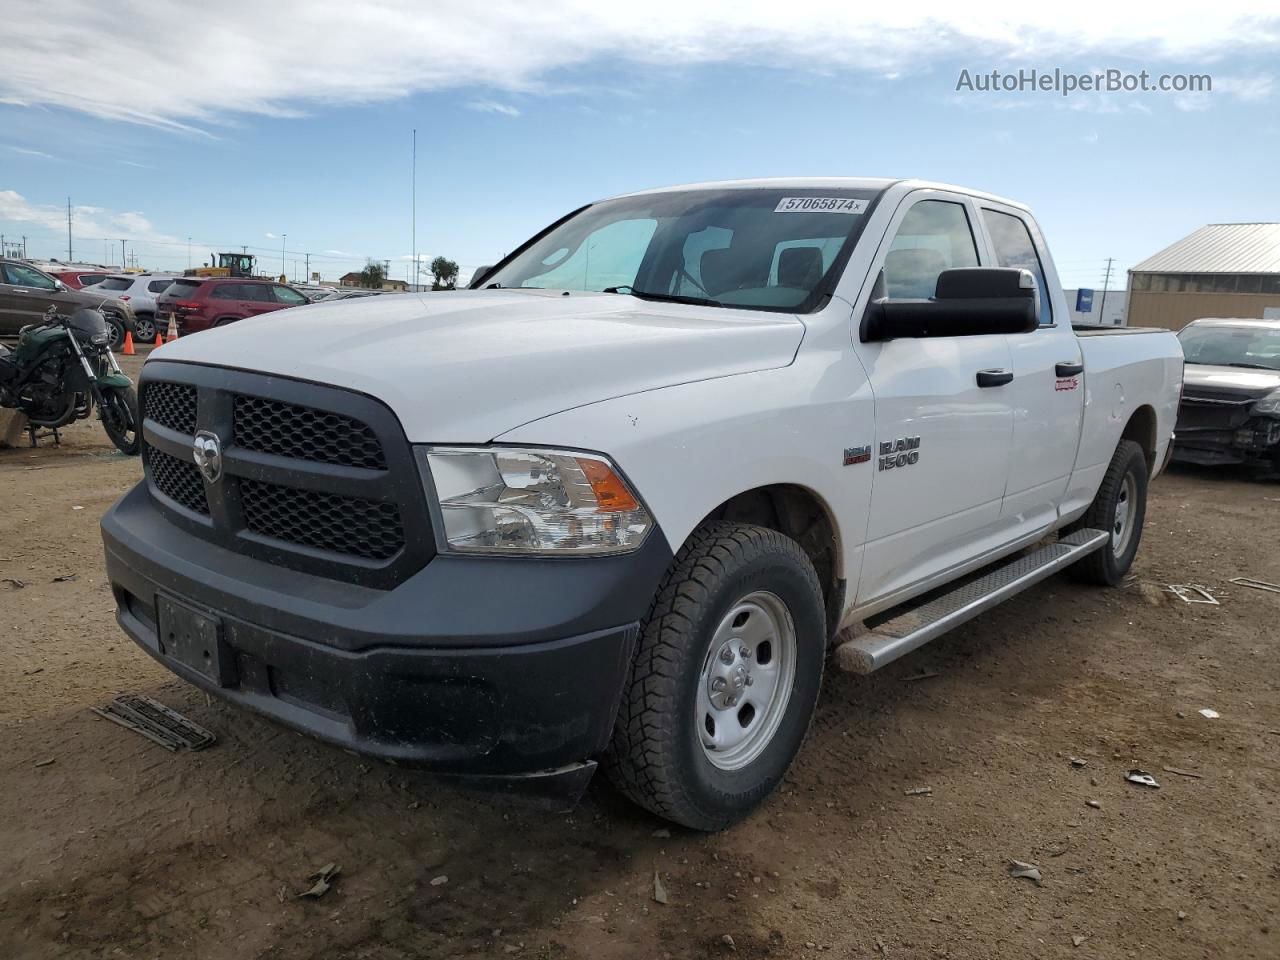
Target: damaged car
(1230, 410)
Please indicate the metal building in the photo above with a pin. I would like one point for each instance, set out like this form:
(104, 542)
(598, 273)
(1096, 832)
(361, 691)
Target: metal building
(1220, 270)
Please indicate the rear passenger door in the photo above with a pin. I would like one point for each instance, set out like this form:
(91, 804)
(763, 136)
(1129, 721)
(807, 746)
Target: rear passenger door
(287, 296)
(941, 441)
(255, 298)
(1047, 392)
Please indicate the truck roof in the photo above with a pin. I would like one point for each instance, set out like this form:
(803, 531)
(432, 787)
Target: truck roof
(818, 183)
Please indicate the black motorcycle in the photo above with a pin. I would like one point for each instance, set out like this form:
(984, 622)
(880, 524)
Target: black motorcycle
(61, 368)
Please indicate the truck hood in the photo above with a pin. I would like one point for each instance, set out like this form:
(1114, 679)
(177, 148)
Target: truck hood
(466, 366)
(1219, 380)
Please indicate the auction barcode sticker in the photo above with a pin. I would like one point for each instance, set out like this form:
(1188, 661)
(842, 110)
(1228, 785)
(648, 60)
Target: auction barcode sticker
(820, 205)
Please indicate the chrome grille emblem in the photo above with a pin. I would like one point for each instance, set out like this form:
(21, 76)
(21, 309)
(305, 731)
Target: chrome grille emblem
(206, 450)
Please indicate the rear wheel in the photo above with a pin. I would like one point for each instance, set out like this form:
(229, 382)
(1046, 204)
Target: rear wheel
(1120, 507)
(119, 412)
(223, 321)
(144, 328)
(725, 679)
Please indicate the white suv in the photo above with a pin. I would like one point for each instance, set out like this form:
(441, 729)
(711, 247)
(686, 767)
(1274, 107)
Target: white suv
(139, 290)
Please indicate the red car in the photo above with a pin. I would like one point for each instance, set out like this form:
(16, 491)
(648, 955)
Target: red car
(200, 303)
(75, 279)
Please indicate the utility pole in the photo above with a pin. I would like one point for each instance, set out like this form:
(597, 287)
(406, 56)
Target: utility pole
(386, 269)
(1106, 279)
(414, 206)
(284, 269)
(68, 229)
(308, 267)
(124, 262)
(188, 253)
(24, 246)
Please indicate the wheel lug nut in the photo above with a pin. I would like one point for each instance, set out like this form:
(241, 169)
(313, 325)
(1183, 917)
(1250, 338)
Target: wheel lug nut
(730, 701)
(726, 655)
(744, 653)
(718, 684)
(749, 680)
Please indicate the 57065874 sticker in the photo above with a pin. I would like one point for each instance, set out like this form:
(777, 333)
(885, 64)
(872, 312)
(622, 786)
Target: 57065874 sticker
(820, 205)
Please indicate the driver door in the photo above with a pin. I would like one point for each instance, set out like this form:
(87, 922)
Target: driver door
(27, 296)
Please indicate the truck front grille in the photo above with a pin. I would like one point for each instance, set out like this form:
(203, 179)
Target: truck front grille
(312, 477)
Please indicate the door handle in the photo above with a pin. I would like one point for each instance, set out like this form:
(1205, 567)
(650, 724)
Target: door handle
(1068, 369)
(994, 378)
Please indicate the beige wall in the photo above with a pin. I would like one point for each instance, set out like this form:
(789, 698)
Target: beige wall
(1176, 310)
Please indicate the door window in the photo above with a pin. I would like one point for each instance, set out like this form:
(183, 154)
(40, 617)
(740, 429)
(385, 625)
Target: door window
(227, 291)
(156, 286)
(935, 235)
(1014, 248)
(287, 295)
(24, 276)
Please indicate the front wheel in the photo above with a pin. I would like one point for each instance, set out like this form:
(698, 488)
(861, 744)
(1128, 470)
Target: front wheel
(144, 328)
(725, 679)
(1120, 508)
(119, 412)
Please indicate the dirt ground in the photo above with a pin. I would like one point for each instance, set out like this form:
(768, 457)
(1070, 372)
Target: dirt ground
(112, 847)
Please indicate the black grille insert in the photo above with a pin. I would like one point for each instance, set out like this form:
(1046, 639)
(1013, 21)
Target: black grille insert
(172, 405)
(178, 480)
(326, 521)
(305, 433)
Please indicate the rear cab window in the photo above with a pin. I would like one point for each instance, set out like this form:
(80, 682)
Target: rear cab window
(1012, 244)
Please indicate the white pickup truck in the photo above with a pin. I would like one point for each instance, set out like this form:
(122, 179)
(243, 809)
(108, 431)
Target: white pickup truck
(622, 500)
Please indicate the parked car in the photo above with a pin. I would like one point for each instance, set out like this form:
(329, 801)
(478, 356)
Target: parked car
(26, 294)
(200, 303)
(356, 293)
(78, 279)
(1230, 409)
(621, 503)
(139, 290)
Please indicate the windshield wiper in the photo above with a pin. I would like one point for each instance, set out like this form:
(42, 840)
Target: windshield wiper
(663, 297)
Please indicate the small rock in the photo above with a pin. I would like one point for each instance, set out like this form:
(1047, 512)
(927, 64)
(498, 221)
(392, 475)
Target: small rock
(662, 833)
(439, 881)
(44, 763)
(1093, 803)
(1077, 940)
(1030, 871)
(919, 791)
(728, 942)
(659, 891)
(1181, 915)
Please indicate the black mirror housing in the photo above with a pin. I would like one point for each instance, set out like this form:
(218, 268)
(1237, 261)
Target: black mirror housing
(967, 302)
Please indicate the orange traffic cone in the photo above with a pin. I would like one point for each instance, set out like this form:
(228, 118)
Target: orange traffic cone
(128, 350)
(172, 333)
(159, 339)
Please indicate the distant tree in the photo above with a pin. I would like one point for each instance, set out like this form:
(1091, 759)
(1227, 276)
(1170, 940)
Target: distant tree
(372, 275)
(444, 274)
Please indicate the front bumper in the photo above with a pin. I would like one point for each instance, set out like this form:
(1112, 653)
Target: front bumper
(1239, 440)
(484, 666)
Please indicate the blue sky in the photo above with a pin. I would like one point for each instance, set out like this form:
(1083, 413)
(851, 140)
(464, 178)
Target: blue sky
(232, 139)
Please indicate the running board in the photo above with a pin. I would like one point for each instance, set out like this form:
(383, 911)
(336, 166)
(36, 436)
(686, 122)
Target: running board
(915, 627)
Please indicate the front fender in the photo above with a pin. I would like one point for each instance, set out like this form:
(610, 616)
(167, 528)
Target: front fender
(114, 381)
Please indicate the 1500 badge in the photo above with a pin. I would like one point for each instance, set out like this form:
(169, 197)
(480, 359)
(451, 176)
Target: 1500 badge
(902, 452)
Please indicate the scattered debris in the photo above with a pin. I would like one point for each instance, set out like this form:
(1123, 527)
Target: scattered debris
(156, 722)
(1093, 803)
(1028, 870)
(65, 578)
(439, 881)
(44, 763)
(1078, 762)
(1142, 778)
(77, 507)
(727, 940)
(1209, 714)
(323, 881)
(919, 792)
(924, 675)
(30, 673)
(1182, 773)
(1256, 584)
(1182, 915)
(1193, 593)
(1077, 940)
(17, 584)
(662, 833)
(659, 891)
(884, 951)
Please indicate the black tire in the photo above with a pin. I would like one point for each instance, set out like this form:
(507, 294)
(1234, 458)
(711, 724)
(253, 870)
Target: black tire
(117, 329)
(144, 328)
(1107, 567)
(119, 414)
(656, 757)
(223, 321)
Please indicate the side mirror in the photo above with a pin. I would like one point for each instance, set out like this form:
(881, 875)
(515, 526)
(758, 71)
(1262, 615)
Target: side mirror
(478, 277)
(967, 302)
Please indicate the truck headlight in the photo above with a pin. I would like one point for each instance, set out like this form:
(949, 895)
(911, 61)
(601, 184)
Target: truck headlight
(499, 500)
(1268, 406)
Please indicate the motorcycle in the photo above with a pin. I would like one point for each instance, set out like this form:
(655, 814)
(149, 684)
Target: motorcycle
(61, 368)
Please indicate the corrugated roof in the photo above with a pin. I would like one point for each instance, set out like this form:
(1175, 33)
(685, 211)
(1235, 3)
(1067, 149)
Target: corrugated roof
(1220, 248)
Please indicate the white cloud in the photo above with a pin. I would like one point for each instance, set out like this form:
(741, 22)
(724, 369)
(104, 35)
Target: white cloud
(281, 58)
(27, 152)
(88, 221)
(271, 236)
(493, 106)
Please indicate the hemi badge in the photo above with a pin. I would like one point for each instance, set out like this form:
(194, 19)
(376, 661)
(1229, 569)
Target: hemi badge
(854, 455)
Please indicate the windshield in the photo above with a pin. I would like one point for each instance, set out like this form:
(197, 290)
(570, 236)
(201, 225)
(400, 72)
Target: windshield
(1232, 346)
(773, 249)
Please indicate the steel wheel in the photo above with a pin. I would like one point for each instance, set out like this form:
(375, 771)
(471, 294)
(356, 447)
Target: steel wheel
(746, 680)
(1122, 524)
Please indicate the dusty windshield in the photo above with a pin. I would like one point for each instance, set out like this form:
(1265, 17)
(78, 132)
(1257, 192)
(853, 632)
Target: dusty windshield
(775, 249)
(1243, 346)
